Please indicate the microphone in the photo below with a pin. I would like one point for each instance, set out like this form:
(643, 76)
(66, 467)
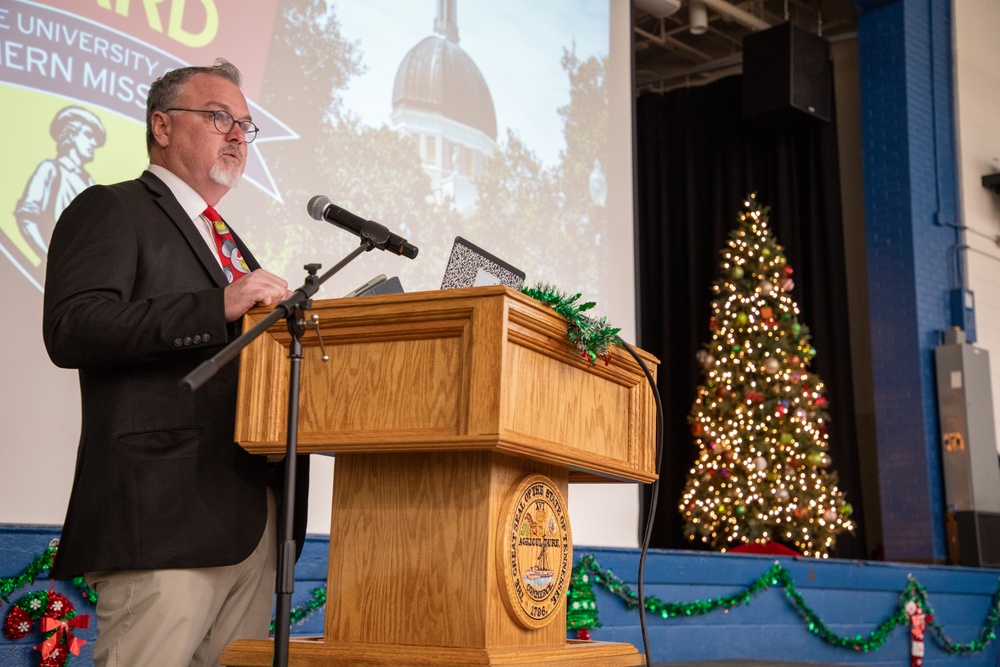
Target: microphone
(371, 232)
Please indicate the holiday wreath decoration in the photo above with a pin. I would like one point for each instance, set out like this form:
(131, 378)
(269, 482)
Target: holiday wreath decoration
(57, 620)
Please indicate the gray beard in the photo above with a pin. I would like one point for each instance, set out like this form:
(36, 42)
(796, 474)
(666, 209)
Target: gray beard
(224, 176)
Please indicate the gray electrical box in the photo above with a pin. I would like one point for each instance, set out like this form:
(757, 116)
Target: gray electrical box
(968, 441)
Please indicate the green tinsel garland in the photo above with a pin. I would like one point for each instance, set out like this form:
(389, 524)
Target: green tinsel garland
(585, 615)
(40, 564)
(779, 576)
(299, 614)
(593, 337)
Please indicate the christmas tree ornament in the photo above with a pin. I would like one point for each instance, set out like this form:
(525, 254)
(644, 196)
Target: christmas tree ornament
(772, 365)
(760, 463)
(787, 285)
(767, 287)
(737, 273)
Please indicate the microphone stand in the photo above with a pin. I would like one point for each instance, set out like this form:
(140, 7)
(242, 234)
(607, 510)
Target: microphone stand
(291, 309)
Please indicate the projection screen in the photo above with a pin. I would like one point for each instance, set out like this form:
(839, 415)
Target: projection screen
(508, 123)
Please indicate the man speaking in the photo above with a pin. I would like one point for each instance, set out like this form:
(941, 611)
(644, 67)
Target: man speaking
(169, 520)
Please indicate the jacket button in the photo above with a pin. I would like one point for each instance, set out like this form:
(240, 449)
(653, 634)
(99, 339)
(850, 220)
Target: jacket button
(187, 340)
(196, 339)
(205, 337)
(178, 342)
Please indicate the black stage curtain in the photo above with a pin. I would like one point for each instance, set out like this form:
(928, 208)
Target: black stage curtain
(697, 159)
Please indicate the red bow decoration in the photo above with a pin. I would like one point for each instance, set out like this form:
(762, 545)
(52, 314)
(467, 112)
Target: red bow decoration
(63, 633)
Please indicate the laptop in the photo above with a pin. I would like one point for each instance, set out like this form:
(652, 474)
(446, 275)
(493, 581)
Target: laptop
(471, 266)
(378, 285)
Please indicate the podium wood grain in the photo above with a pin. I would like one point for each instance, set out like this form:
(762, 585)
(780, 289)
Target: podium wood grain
(435, 405)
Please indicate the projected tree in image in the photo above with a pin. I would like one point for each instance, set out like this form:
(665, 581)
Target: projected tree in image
(374, 171)
(563, 214)
(759, 419)
(377, 172)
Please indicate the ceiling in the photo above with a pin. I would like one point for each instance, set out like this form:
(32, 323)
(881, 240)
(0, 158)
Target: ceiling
(668, 55)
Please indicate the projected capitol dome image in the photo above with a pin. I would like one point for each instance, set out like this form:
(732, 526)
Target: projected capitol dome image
(441, 97)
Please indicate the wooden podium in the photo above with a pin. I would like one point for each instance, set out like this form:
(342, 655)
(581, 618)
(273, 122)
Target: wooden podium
(458, 419)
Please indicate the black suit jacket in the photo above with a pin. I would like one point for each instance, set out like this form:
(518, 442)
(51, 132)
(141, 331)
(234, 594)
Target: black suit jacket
(134, 300)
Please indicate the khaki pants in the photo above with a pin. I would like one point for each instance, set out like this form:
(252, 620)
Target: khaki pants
(184, 618)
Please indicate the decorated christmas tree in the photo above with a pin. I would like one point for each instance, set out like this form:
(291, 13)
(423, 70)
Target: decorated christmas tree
(759, 419)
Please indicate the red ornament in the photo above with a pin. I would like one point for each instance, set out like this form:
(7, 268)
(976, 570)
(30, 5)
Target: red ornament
(712, 324)
(59, 605)
(56, 659)
(820, 401)
(583, 634)
(788, 271)
(18, 624)
(767, 313)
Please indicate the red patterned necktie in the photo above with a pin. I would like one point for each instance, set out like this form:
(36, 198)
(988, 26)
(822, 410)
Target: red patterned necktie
(232, 261)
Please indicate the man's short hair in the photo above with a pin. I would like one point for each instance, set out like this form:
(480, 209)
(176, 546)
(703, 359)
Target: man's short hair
(164, 92)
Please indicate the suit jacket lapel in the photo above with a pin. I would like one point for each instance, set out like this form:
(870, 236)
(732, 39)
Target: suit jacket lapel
(172, 208)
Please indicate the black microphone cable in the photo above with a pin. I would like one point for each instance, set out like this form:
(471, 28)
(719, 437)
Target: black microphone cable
(653, 497)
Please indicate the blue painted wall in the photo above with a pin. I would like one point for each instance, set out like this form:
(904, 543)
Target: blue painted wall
(910, 208)
(850, 597)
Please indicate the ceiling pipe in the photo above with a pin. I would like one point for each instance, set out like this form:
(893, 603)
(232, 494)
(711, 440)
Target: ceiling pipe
(739, 15)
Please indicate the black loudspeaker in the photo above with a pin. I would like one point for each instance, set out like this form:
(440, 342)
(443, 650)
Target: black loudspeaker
(978, 539)
(786, 68)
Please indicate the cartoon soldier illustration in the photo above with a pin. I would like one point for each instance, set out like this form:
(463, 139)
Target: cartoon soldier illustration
(54, 184)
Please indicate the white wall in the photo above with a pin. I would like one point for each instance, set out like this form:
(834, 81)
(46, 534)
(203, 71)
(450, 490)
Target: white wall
(977, 93)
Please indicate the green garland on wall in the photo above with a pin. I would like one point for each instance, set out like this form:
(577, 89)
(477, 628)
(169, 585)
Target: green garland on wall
(777, 575)
(41, 563)
(584, 614)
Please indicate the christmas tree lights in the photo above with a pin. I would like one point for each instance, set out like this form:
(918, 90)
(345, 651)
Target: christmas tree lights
(759, 418)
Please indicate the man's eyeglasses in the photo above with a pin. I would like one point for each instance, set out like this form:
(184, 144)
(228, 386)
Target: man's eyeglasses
(224, 123)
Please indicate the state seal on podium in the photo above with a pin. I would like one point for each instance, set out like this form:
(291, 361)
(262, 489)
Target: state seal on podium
(534, 551)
